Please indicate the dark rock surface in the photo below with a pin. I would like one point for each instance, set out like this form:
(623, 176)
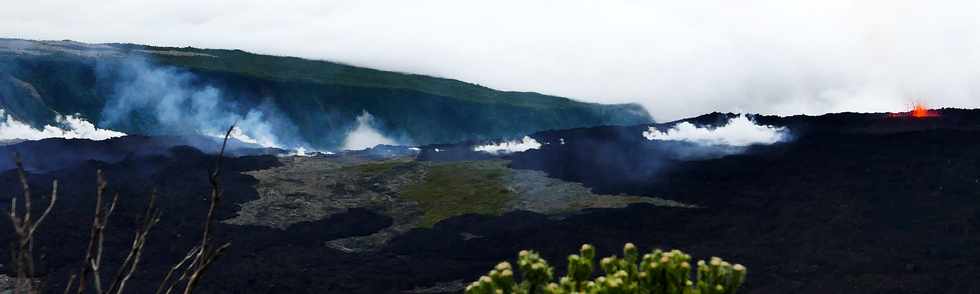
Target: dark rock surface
(856, 203)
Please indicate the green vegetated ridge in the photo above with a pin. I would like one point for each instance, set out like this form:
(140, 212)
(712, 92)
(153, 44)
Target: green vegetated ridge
(39, 79)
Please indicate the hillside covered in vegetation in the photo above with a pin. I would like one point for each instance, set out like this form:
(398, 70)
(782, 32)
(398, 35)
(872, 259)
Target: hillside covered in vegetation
(309, 101)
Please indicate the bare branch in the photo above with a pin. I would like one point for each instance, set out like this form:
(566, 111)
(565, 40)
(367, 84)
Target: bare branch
(151, 216)
(54, 198)
(24, 228)
(196, 276)
(93, 255)
(27, 188)
(166, 278)
(206, 255)
(71, 281)
(201, 256)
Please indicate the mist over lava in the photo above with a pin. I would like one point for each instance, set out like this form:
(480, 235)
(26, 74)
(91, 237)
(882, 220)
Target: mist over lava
(365, 135)
(168, 100)
(68, 127)
(737, 131)
(146, 98)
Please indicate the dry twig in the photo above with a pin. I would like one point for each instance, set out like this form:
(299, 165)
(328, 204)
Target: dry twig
(200, 256)
(205, 253)
(24, 228)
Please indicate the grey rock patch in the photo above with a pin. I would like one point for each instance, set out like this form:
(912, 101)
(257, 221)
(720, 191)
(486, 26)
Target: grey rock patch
(539, 193)
(469, 236)
(38, 48)
(174, 53)
(8, 284)
(68, 47)
(455, 286)
(313, 188)
(372, 242)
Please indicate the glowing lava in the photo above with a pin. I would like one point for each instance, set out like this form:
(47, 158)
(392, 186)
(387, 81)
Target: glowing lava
(919, 110)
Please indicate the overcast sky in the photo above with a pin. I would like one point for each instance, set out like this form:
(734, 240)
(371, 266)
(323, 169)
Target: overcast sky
(677, 58)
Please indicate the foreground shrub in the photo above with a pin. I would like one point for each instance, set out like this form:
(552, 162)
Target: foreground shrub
(658, 272)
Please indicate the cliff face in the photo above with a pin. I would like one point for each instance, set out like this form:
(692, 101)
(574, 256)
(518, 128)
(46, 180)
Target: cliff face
(319, 100)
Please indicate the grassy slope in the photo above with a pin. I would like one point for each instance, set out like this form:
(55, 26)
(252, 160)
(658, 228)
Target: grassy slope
(321, 98)
(299, 69)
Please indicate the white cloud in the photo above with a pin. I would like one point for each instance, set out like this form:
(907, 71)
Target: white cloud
(365, 136)
(68, 127)
(525, 144)
(740, 131)
(678, 58)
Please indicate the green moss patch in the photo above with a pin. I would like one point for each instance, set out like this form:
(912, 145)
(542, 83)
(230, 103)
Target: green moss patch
(460, 188)
(374, 168)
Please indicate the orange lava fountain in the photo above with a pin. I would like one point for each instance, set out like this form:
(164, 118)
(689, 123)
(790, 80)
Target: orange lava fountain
(919, 111)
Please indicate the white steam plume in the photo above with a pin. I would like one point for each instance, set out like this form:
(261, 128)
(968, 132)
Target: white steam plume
(740, 131)
(364, 135)
(525, 144)
(175, 104)
(68, 127)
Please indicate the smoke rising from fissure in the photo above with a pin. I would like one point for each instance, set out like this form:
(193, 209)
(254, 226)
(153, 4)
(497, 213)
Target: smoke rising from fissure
(365, 135)
(67, 126)
(165, 100)
(740, 131)
(506, 147)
